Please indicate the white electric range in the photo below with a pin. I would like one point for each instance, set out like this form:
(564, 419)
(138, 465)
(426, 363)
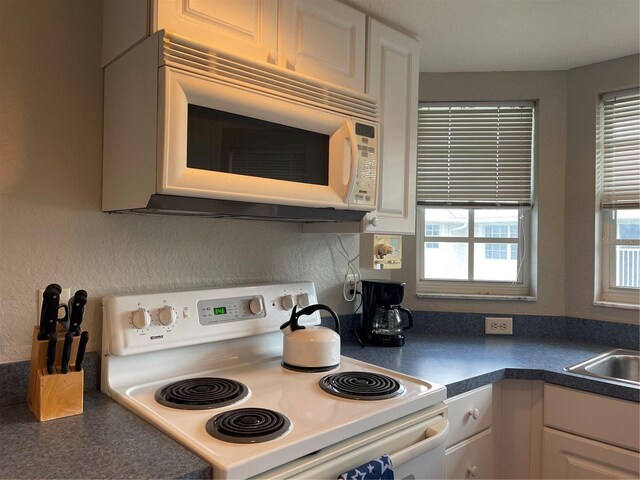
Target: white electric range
(205, 367)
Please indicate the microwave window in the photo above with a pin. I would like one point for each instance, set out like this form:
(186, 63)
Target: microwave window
(225, 142)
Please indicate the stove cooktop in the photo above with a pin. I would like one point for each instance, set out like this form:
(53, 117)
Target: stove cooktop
(152, 341)
(317, 418)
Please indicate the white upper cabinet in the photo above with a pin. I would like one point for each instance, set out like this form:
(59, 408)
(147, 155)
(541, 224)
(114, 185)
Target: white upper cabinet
(248, 28)
(392, 78)
(325, 40)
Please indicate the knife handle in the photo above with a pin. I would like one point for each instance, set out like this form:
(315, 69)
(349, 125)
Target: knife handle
(66, 352)
(76, 311)
(51, 351)
(84, 338)
(49, 312)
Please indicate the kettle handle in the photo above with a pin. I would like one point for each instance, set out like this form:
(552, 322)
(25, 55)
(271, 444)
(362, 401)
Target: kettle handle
(409, 316)
(314, 308)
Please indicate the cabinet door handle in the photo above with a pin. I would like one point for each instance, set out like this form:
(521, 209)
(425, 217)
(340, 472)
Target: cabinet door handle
(291, 62)
(474, 413)
(272, 57)
(473, 471)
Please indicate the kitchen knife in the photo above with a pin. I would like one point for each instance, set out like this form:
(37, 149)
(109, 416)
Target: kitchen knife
(49, 312)
(66, 352)
(84, 338)
(51, 351)
(76, 311)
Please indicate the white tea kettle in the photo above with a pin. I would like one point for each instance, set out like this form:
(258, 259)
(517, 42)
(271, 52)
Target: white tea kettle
(310, 348)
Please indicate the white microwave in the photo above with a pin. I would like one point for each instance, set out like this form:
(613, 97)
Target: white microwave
(188, 130)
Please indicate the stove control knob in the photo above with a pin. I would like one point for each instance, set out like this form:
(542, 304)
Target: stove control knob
(141, 318)
(303, 300)
(167, 315)
(287, 302)
(255, 305)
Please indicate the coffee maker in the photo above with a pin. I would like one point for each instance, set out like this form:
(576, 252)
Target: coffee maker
(381, 321)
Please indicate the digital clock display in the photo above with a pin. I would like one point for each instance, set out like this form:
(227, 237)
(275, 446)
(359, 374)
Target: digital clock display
(219, 310)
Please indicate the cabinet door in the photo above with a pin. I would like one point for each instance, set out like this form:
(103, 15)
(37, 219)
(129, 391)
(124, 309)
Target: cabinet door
(392, 77)
(472, 458)
(248, 28)
(569, 456)
(324, 39)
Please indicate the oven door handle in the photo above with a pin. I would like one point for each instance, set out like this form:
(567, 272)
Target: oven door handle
(435, 436)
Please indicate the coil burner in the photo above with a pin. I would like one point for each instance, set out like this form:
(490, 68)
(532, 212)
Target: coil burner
(361, 386)
(248, 425)
(201, 393)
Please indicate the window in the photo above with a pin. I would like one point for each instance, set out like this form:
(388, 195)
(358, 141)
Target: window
(474, 193)
(618, 183)
(432, 230)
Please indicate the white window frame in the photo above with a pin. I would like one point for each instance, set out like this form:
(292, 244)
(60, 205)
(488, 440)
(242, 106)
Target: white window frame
(518, 290)
(606, 291)
(609, 292)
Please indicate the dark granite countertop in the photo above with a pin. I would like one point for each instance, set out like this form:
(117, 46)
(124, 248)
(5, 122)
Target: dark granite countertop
(106, 441)
(463, 363)
(111, 442)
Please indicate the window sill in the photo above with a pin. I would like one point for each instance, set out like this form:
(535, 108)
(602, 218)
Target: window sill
(624, 306)
(462, 296)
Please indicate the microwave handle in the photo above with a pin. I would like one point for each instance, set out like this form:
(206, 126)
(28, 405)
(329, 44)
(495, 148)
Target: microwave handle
(351, 138)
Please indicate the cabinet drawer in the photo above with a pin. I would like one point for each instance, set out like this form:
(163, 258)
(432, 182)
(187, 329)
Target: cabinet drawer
(569, 456)
(469, 413)
(472, 458)
(595, 416)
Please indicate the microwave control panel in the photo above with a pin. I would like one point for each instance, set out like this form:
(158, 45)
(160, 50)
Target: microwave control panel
(366, 182)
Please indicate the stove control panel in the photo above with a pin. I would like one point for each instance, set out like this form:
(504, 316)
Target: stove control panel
(211, 312)
(157, 321)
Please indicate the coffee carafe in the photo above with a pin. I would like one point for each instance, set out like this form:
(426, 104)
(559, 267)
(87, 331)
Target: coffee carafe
(381, 322)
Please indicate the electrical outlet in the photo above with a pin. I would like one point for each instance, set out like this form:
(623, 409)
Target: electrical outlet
(498, 325)
(350, 280)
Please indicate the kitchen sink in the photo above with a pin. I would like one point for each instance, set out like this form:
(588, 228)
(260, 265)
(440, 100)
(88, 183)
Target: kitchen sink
(617, 365)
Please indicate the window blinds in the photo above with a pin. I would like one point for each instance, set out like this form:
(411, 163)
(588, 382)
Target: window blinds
(475, 154)
(619, 150)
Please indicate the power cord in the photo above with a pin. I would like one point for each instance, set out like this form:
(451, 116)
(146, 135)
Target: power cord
(349, 291)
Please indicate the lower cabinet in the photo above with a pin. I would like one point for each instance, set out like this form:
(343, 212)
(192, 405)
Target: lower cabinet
(589, 436)
(570, 456)
(471, 458)
(469, 452)
(519, 429)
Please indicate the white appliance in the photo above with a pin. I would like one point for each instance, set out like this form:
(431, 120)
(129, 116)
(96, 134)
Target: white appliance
(174, 349)
(193, 131)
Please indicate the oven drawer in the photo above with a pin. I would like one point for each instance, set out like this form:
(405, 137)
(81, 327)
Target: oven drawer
(469, 414)
(414, 443)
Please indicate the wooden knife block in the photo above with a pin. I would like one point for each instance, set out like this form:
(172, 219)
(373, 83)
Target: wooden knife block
(58, 394)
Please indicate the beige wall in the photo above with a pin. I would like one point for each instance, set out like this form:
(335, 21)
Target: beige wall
(548, 89)
(52, 230)
(51, 226)
(566, 204)
(585, 84)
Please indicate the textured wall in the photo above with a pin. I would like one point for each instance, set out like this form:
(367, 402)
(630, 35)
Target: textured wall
(585, 84)
(51, 226)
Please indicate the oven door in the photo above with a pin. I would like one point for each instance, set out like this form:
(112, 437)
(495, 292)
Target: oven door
(227, 142)
(415, 445)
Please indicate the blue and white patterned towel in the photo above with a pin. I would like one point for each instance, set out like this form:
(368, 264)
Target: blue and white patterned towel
(378, 469)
